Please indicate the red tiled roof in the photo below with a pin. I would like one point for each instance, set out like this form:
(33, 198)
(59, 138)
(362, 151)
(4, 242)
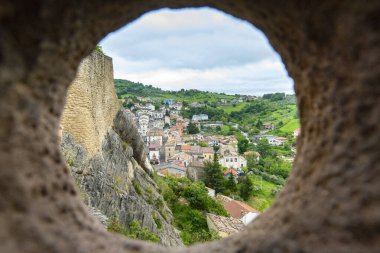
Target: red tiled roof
(237, 209)
(185, 147)
(230, 170)
(207, 150)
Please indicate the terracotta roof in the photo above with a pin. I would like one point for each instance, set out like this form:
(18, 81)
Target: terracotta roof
(230, 170)
(185, 147)
(237, 209)
(207, 150)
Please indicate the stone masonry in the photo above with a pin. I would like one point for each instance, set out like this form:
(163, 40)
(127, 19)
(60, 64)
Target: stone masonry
(331, 202)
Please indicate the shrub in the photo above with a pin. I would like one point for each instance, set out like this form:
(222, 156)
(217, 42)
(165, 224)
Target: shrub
(136, 186)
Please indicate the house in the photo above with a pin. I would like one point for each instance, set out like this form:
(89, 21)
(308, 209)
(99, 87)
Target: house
(229, 171)
(154, 136)
(212, 141)
(269, 126)
(195, 170)
(156, 124)
(158, 115)
(208, 153)
(172, 169)
(235, 208)
(199, 117)
(182, 156)
(176, 106)
(233, 161)
(169, 101)
(149, 107)
(277, 141)
(154, 153)
(167, 120)
(223, 226)
(169, 150)
(143, 124)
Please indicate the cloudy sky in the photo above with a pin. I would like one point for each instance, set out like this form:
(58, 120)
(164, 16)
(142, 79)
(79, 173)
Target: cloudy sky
(201, 49)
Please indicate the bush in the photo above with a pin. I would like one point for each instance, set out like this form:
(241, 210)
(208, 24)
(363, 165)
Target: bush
(134, 231)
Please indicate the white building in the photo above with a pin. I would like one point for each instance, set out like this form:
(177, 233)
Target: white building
(200, 117)
(149, 107)
(156, 124)
(276, 141)
(154, 136)
(233, 161)
(158, 115)
(167, 120)
(143, 125)
(154, 154)
(176, 106)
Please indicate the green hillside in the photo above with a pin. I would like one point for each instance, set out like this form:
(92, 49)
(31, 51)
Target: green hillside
(277, 108)
(125, 88)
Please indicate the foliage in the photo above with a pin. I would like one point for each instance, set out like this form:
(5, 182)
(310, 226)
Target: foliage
(189, 215)
(274, 96)
(126, 88)
(157, 221)
(192, 128)
(242, 145)
(134, 230)
(213, 175)
(99, 49)
(231, 184)
(246, 188)
(213, 113)
(136, 186)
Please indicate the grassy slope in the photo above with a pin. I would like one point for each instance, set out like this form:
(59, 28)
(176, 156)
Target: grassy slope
(231, 108)
(292, 125)
(263, 198)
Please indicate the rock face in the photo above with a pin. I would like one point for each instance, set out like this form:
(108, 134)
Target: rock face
(331, 202)
(110, 165)
(114, 183)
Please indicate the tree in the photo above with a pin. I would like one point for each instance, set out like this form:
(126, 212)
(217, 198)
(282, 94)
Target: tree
(259, 124)
(264, 148)
(230, 184)
(246, 188)
(213, 175)
(243, 145)
(192, 128)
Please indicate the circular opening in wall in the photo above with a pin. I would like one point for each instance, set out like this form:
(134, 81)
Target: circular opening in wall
(218, 117)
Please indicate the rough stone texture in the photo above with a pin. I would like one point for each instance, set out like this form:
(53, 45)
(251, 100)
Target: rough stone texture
(127, 129)
(331, 202)
(91, 102)
(106, 184)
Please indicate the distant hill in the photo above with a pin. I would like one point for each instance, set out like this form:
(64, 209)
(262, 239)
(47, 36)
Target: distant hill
(276, 108)
(126, 88)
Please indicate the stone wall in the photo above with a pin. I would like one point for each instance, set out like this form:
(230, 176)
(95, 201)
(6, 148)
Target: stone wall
(91, 102)
(331, 202)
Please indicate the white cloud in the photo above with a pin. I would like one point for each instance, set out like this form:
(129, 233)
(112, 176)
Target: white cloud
(197, 48)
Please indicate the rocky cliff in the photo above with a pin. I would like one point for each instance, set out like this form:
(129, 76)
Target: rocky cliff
(105, 153)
